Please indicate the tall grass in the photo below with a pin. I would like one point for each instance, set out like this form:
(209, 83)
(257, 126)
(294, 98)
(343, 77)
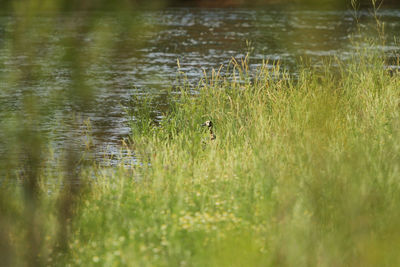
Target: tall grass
(304, 172)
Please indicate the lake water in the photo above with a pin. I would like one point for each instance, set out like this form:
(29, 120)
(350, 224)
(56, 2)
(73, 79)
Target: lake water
(201, 39)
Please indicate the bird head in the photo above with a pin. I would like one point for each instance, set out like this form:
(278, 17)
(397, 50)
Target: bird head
(208, 124)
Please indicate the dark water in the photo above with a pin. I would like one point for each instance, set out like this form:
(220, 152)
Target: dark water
(201, 39)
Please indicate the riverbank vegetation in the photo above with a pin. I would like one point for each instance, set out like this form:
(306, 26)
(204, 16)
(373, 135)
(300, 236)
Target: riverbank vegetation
(304, 171)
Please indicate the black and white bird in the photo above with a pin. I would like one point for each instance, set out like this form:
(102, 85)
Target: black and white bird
(209, 125)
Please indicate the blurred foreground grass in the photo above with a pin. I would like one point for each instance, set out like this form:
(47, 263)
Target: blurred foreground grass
(304, 172)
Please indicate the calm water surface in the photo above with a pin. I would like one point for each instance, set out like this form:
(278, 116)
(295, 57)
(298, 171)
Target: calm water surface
(200, 39)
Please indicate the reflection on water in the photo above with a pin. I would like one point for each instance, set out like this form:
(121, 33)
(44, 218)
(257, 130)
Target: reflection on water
(200, 39)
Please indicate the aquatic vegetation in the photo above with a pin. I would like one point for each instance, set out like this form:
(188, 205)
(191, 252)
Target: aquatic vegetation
(305, 172)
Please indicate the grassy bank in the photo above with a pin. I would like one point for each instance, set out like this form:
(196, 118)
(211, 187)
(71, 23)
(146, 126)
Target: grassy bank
(304, 172)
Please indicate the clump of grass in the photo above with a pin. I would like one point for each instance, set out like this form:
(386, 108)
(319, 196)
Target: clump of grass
(304, 171)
